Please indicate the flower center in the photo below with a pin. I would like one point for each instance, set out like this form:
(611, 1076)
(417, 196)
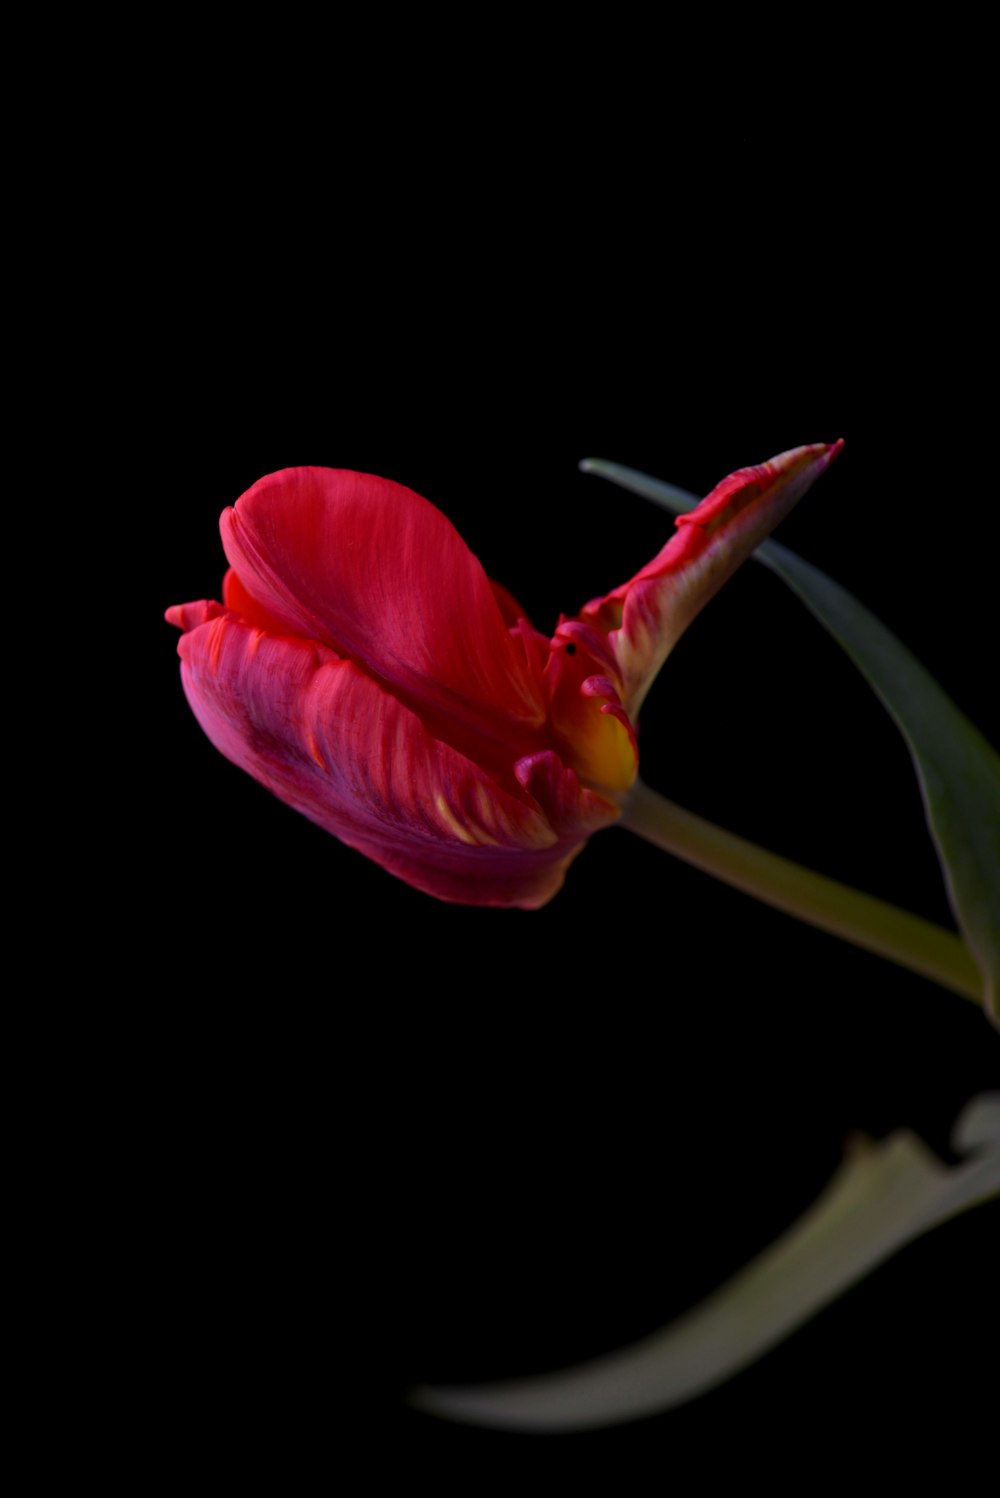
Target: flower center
(591, 728)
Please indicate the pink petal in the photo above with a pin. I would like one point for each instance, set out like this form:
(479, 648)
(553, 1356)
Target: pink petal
(567, 806)
(376, 573)
(238, 601)
(334, 744)
(189, 615)
(647, 615)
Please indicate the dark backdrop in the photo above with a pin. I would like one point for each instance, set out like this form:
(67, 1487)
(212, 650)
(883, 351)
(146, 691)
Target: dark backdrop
(387, 1139)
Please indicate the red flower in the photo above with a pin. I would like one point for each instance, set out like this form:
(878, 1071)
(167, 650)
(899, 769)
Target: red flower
(364, 668)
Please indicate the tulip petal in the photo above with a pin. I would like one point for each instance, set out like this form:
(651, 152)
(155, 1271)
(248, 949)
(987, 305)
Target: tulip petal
(647, 615)
(333, 743)
(186, 616)
(376, 573)
(568, 807)
(238, 601)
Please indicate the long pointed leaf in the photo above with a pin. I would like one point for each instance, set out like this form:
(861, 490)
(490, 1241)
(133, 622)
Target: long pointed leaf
(958, 771)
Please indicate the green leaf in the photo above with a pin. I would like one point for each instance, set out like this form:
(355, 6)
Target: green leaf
(958, 771)
(882, 1197)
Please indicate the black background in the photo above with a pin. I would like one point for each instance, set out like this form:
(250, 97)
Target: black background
(391, 1140)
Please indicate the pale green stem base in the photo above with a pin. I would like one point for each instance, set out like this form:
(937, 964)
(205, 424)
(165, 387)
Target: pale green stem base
(907, 939)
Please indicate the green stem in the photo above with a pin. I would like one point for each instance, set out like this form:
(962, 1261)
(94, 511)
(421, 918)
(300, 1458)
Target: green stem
(906, 939)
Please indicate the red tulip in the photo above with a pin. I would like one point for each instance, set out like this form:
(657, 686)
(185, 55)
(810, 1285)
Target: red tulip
(364, 668)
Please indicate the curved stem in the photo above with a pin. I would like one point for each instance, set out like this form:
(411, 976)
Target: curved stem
(906, 939)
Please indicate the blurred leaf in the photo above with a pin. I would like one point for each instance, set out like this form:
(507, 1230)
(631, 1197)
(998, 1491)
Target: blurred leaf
(882, 1197)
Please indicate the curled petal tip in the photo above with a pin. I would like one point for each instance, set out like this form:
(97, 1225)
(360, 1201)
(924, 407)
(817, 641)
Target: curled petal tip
(188, 616)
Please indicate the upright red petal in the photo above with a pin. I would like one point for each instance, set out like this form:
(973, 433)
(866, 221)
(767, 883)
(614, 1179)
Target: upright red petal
(375, 572)
(646, 616)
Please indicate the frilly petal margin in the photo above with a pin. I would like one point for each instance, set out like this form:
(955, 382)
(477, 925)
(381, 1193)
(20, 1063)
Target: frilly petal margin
(646, 616)
(330, 741)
